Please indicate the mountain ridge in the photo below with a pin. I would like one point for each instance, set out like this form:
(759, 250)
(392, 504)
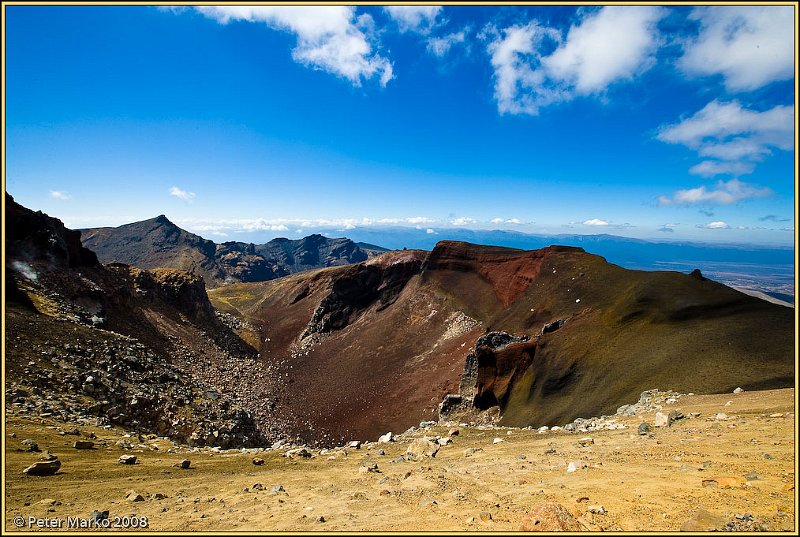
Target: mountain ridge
(158, 242)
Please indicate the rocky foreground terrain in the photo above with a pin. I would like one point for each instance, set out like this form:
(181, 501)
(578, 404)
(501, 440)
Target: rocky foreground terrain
(702, 462)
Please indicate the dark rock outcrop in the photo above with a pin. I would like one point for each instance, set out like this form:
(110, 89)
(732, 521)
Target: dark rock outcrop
(34, 236)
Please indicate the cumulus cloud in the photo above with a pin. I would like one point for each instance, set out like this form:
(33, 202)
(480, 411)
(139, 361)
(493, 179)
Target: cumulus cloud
(612, 44)
(429, 231)
(463, 221)
(595, 222)
(750, 46)
(734, 136)
(60, 195)
(515, 221)
(419, 19)
(728, 131)
(329, 38)
(183, 195)
(712, 168)
(714, 225)
(440, 46)
(725, 193)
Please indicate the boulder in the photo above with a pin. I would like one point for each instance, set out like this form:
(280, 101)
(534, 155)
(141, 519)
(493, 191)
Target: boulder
(552, 327)
(550, 516)
(29, 445)
(127, 459)
(662, 420)
(644, 428)
(422, 447)
(83, 444)
(43, 468)
(134, 496)
(258, 461)
(386, 438)
(369, 467)
(184, 464)
(301, 453)
(674, 416)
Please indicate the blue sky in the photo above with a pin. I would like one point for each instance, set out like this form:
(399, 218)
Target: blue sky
(650, 122)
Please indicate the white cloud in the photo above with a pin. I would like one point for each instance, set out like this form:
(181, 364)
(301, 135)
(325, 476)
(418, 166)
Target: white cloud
(440, 46)
(714, 225)
(184, 195)
(515, 221)
(711, 168)
(411, 220)
(595, 222)
(726, 193)
(263, 225)
(615, 43)
(419, 19)
(750, 46)
(730, 132)
(329, 38)
(734, 136)
(463, 221)
(239, 225)
(60, 195)
(429, 231)
(609, 45)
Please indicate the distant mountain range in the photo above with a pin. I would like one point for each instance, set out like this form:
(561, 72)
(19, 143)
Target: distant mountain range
(157, 242)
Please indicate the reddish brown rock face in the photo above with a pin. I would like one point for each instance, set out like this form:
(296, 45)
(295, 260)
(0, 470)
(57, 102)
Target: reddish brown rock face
(509, 271)
(497, 370)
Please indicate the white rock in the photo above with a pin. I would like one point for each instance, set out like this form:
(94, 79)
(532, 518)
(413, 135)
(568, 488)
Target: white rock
(721, 416)
(571, 468)
(738, 390)
(385, 439)
(543, 429)
(497, 440)
(661, 420)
